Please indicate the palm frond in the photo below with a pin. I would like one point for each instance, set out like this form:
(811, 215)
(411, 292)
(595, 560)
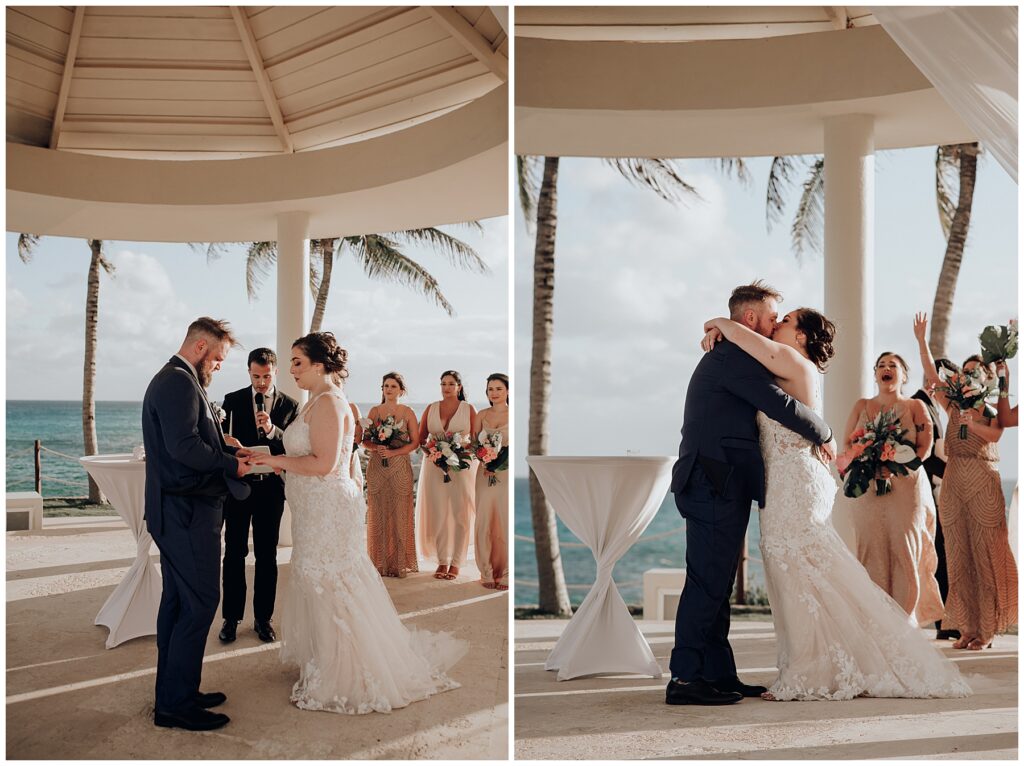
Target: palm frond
(457, 252)
(381, 259)
(809, 222)
(259, 258)
(26, 246)
(736, 166)
(780, 179)
(528, 186)
(104, 263)
(660, 176)
(947, 185)
(212, 250)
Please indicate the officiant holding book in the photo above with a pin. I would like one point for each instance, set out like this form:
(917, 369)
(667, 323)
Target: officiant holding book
(255, 416)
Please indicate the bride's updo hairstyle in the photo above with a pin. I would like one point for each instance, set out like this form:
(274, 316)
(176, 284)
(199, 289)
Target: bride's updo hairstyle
(819, 332)
(322, 348)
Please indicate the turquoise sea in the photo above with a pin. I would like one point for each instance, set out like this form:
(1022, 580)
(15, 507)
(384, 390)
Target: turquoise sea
(663, 545)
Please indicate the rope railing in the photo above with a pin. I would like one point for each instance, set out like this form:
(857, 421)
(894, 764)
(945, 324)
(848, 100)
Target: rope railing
(65, 481)
(581, 586)
(645, 538)
(61, 454)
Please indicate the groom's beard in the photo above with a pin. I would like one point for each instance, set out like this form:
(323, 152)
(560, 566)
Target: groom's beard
(203, 371)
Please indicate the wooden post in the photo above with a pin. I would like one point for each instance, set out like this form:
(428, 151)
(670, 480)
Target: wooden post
(39, 471)
(741, 575)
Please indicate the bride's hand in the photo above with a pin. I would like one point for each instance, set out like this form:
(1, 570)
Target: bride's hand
(262, 458)
(713, 324)
(710, 338)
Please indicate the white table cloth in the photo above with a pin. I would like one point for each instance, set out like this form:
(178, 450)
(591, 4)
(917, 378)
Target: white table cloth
(131, 610)
(607, 502)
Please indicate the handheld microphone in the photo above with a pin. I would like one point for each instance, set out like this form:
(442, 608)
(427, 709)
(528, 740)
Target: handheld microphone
(261, 406)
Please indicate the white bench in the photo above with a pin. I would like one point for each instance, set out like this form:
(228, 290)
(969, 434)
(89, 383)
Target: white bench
(662, 589)
(24, 511)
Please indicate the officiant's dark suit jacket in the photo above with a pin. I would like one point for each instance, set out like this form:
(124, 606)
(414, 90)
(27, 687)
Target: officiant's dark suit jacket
(189, 472)
(717, 477)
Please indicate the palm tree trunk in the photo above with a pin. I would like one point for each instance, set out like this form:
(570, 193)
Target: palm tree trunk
(943, 306)
(92, 310)
(553, 595)
(326, 248)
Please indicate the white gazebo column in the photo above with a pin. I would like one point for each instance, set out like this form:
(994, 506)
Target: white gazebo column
(849, 260)
(292, 289)
(292, 317)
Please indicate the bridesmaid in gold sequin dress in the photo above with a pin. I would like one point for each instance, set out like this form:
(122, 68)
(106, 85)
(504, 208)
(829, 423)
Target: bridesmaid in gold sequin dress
(390, 526)
(894, 534)
(982, 573)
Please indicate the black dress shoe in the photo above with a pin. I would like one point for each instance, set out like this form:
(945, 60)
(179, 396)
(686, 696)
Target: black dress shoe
(698, 692)
(192, 719)
(264, 630)
(947, 635)
(210, 699)
(736, 685)
(227, 631)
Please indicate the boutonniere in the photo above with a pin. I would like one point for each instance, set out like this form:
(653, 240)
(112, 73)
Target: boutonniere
(218, 411)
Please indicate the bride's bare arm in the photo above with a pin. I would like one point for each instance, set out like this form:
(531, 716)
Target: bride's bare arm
(327, 422)
(782, 361)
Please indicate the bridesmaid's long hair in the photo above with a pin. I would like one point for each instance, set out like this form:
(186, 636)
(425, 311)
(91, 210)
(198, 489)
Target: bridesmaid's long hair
(458, 379)
(395, 377)
(502, 378)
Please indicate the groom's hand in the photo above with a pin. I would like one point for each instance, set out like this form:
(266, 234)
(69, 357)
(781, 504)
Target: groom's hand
(827, 451)
(244, 467)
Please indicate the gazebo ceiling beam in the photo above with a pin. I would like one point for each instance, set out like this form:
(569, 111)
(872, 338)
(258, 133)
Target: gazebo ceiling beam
(262, 80)
(839, 15)
(471, 39)
(65, 80)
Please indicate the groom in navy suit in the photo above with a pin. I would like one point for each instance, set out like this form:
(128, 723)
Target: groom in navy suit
(189, 472)
(718, 475)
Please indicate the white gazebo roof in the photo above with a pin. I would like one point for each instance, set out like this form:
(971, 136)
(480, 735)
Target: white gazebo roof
(366, 118)
(714, 82)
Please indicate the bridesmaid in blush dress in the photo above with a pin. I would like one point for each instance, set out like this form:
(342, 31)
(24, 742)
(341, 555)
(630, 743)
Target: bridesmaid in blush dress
(390, 526)
(444, 510)
(491, 529)
(894, 534)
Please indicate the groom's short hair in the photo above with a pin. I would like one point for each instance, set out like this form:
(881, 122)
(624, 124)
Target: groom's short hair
(217, 329)
(755, 292)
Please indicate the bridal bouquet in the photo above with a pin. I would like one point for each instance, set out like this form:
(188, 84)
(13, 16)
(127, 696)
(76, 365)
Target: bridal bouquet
(385, 433)
(999, 343)
(449, 452)
(881, 443)
(969, 391)
(490, 452)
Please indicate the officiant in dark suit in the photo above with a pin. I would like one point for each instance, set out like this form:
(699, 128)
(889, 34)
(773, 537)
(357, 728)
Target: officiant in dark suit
(255, 416)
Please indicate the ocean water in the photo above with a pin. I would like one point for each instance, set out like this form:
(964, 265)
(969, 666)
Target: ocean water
(58, 425)
(652, 551)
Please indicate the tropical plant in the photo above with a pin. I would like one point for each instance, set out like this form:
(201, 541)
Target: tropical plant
(538, 199)
(381, 256)
(27, 244)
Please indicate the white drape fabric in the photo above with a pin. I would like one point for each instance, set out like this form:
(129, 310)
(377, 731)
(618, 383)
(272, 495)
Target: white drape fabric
(131, 610)
(969, 53)
(607, 502)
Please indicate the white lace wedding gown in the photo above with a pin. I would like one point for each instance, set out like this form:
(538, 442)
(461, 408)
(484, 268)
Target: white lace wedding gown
(838, 634)
(338, 623)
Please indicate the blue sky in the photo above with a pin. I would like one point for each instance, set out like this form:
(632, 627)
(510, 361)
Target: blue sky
(159, 288)
(636, 277)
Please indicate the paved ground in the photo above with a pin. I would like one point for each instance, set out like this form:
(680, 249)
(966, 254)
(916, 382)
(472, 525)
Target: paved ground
(624, 716)
(69, 698)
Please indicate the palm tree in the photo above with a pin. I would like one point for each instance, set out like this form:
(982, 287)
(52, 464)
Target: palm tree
(955, 165)
(381, 257)
(26, 247)
(539, 206)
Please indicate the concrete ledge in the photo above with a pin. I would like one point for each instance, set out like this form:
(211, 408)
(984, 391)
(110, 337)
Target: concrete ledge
(24, 511)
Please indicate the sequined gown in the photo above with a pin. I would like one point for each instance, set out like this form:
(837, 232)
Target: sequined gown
(390, 525)
(338, 625)
(982, 573)
(838, 634)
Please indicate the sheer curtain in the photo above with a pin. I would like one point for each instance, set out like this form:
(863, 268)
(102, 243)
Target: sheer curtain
(969, 53)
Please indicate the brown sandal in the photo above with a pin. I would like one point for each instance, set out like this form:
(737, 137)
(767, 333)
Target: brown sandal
(976, 645)
(453, 572)
(441, 573)
(500, 586)
(489, 585)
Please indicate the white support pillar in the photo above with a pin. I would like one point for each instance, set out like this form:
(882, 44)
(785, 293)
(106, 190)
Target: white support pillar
(292, 314)
(292, 291)
(849, 260)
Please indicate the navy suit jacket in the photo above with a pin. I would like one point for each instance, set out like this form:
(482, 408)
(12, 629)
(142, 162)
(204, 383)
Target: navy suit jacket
(727, 390)
(187, 461)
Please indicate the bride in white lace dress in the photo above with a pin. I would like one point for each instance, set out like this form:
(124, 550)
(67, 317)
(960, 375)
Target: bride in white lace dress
(339, 624)
(838, 634)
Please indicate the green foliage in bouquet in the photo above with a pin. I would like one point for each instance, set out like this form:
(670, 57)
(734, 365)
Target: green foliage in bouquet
(998, 342)
(881, 443)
